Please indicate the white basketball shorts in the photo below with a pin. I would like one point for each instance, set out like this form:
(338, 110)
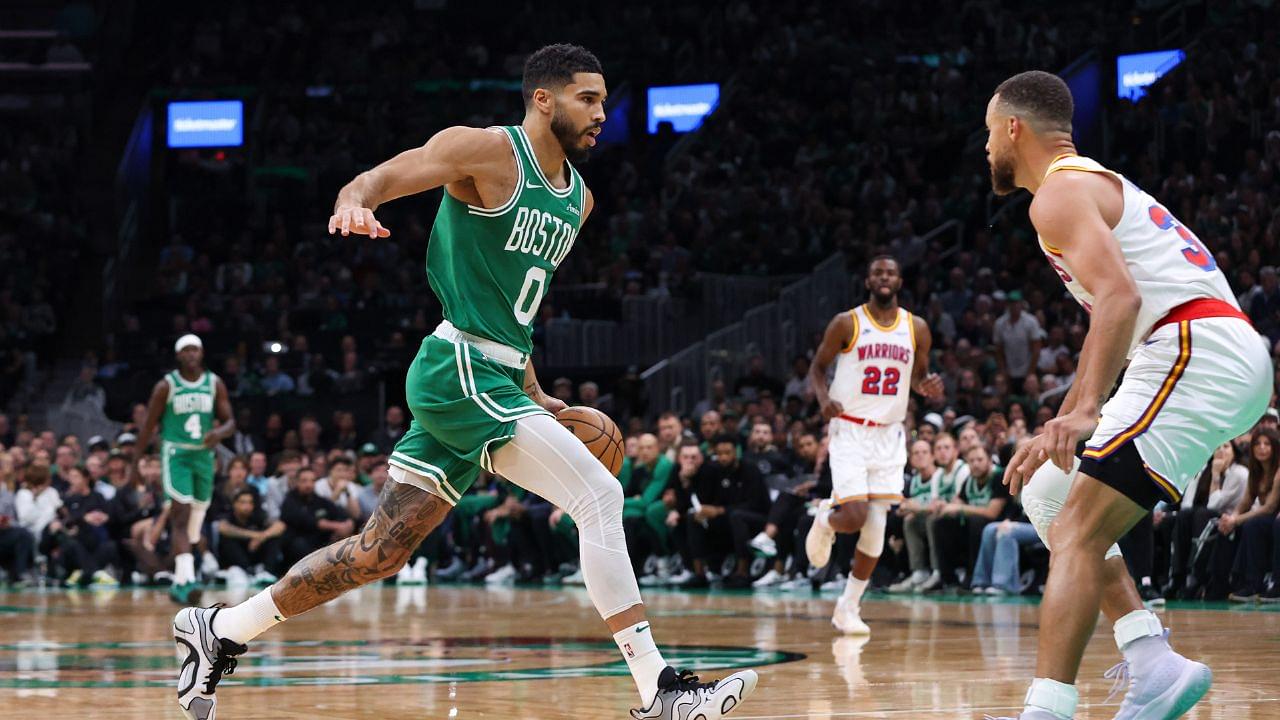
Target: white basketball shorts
(866, 462)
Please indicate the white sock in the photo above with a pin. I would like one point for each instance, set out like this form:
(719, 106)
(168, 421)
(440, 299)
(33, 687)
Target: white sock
(854, 588)
(184, 569)
(249, 619)
(1140, 637)
(643, 659)
(1051, 696)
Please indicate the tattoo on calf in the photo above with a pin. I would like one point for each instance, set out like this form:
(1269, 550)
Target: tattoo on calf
(402, 520)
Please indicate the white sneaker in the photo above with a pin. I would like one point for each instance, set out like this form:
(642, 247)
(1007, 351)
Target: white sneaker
(651, 581)
(933, 582)
(765, 545)
(574, 579)
(836, 583)
(1167, 690)
(799, 582)
(405, 575)
(420, 571)
(848, 619)
(236, 577)
(204, 659)
(817, 544)
(769, 579)
(681, 577)
(505, 575)
(262, 577)
(681, 696)
(102, 578)
(910, 583)
(209, 565)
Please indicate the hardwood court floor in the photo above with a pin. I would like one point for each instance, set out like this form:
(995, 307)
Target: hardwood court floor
(466, 652)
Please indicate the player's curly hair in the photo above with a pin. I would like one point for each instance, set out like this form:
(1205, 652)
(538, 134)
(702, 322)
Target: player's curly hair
(553, 67)
(1041, 98)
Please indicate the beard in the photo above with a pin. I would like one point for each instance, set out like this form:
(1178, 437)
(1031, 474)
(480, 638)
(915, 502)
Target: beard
(570, 138)
(1002, 175)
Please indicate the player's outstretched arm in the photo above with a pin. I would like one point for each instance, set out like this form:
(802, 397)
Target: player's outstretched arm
(452, 155)
(837, 337)
(1066, 214)
(155, 409)
(226, 426)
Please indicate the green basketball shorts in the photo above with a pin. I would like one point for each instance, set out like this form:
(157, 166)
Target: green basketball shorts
(465, 394)
(187, 472)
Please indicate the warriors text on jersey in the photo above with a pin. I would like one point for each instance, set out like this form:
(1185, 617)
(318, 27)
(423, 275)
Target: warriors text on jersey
(490, 267)
(1168, 263)
(188, 414)
(873, 373)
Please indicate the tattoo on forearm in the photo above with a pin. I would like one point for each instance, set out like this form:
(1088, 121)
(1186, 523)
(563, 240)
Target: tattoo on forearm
(402, 520)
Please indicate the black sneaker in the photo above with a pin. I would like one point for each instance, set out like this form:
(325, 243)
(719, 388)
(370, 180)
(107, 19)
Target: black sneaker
(205, 659)
(681, 696)
(1150, 595)
(737, 582)
(1271, 594)
(1246, 594)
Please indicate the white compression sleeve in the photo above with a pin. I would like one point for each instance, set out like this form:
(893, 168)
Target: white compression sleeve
(1043, 497)
(871, 537)
(547, 459)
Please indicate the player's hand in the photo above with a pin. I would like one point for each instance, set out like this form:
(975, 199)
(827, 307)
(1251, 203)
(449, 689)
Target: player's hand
(1065, 432)
(356, 220)
(551, 403)
(1025, 461)
(831, 408)
(932, 386)
(210, 441)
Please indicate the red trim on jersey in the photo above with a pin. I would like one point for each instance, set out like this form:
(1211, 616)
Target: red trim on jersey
(860, 421)
(1198, 309)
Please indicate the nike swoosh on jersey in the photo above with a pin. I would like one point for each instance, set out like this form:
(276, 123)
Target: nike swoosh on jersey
(531, 186)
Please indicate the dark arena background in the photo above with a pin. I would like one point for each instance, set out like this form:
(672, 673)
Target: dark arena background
(170, 169)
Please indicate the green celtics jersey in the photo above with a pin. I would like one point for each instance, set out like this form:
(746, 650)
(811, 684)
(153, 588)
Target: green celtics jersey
(188, 414)
(490, 267)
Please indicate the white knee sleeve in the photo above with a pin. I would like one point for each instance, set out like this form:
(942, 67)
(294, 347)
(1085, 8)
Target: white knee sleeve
(1043, 497)
(871, 537)
(194, 522)
(547, 459)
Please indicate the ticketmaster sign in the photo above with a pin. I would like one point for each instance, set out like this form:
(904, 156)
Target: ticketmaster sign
(684, 106)
(216, 123)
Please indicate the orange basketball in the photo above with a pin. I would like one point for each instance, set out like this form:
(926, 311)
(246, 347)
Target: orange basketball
(598, 432)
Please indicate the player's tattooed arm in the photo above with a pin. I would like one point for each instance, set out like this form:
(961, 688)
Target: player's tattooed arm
(535, 392)
(402, 520)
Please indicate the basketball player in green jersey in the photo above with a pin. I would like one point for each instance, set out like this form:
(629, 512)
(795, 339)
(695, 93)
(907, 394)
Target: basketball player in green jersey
(193, 411)
(512, 207)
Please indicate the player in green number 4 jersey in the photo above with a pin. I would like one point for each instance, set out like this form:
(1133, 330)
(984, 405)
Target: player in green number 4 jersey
(191, 407)
(512, 208)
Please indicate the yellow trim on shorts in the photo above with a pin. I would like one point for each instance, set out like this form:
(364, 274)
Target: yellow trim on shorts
(893, 497)
(1144, 421)
(1165, 485)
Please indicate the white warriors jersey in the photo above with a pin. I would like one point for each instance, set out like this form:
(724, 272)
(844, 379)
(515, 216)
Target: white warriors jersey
(873, 372)
(1168, 263)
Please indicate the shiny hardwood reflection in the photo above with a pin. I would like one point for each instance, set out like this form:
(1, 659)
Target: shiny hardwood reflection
(466, 652)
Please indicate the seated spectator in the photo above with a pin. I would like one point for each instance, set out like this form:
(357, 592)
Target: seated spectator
(925, 504)
(998, 570)
(393, 428)
(368, 495)
(1250, 527)
(923, 496)
(644, 478)
(730, 505)
(779, 539)
(756, 380)
(311, 521)
(80, 536)
(17, 544)
(1182, 529)
(36, 502)
(340, 486)
(981, 500)
(274, 381)
(249, 543)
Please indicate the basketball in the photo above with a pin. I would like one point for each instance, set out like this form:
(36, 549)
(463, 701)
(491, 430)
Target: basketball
(598, 432)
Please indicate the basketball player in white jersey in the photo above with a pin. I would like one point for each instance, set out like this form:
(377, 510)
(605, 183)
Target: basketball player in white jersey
(1198, 374)
(881, 353)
